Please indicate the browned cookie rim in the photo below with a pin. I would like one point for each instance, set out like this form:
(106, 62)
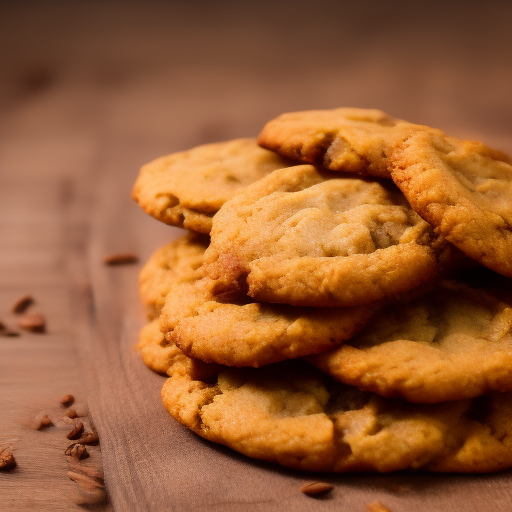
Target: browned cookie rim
(357, 432)
(420, 370)
(175, 262)
(235, 331)
(340, 139)
(181, 207)
(456, 216)
(338, 281)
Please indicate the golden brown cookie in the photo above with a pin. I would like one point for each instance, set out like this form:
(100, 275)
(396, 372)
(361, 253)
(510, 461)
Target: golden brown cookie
(452, 343)
(344, 139)
(186, 189)
(464, 189)
(235, 331)
(163, 357)
(308, 237)
(176, 262)
(290, 414)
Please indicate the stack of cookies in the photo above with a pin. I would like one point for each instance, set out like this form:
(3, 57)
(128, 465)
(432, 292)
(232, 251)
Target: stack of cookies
(342, 301)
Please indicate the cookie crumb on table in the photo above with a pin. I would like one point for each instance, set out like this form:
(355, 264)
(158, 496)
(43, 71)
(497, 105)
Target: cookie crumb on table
(33, 322)
(7, 460)
(67, 400)
(316, 488)
(22, 303)
(120, 259)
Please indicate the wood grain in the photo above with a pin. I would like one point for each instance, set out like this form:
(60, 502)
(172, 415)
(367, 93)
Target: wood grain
(91, 91)
(36, 370)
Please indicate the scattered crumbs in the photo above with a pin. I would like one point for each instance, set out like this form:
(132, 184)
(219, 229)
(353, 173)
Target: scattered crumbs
(21, 304)
(316, 488)
(88, 438)
(121, 259)
(67, 400)
(33, 322)
(9, 332)
(77, 430)
(76, 450)
(7, 460)
(93, 490)
(42, 420)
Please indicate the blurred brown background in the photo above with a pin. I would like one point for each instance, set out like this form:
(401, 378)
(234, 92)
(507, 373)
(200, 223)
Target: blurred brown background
(188, 72)
(89, 91)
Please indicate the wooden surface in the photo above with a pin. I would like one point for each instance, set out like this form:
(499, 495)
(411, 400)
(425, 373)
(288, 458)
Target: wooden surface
(88, 93)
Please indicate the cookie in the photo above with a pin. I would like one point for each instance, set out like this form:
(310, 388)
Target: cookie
(163, 357)
(343, 139)
(234, 331)
(186, 189)
(176, 262)
(452, 343)
(291, 414)
(464, 189)
(308, 237)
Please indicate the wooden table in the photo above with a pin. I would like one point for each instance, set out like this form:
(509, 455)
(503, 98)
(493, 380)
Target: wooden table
(91, 91)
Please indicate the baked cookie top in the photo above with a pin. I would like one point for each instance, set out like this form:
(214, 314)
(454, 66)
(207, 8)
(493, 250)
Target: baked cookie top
(291, 414)
(308, 237)
(464, 189)
(344, 139)
(176, 262)
(163, 357)
(186, 189)
(452, 343)
(233, 330)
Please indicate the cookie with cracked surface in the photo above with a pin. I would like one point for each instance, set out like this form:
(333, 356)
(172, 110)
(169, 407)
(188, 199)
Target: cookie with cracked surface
(186, 189)
(464, 189)
(163, 357)
(235, 331)
(176, 262)
(308, 237)
(452, 343)
(293, 415)
(343, 139)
